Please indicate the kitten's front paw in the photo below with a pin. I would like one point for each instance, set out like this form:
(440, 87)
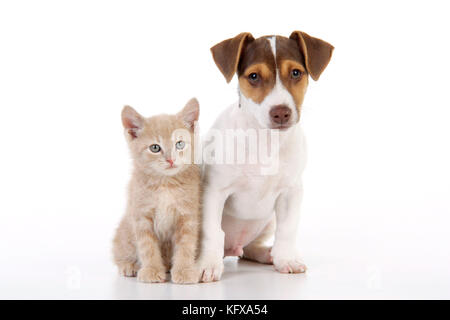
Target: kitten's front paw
(151, 274)
(289, 264)
(185, 275)
(211, 269)
(128, 269)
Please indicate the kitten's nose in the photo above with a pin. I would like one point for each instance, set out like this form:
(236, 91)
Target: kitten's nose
(170, 161)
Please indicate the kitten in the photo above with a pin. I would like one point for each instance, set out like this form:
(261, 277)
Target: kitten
(160, 229)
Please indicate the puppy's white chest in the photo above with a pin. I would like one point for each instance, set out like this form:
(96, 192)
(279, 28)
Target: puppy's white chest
(254, 197)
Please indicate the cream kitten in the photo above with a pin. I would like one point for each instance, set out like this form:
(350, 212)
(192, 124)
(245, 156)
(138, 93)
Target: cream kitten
(160, 229)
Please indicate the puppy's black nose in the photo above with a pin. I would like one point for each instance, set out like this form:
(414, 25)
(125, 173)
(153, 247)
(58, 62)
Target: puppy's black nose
(280, 114)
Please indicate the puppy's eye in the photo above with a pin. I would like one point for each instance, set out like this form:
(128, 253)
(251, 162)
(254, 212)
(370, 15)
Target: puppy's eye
(253, 77)
(180, 145)
(155, 148)
(295, 74)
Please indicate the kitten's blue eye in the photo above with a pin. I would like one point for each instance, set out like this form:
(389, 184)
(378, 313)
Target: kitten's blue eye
(155, 148)
(180, 145)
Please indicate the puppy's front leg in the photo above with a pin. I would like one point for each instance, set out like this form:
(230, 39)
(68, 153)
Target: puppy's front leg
(149, 252)
(211, 256)
(284, 251)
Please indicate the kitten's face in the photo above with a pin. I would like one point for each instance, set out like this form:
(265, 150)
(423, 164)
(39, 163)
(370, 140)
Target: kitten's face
(163, 144)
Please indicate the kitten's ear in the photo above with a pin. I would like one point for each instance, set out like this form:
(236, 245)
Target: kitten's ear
(132, 121)
(190, 113)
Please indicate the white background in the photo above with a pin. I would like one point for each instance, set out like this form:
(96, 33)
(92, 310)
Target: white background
(375, 219)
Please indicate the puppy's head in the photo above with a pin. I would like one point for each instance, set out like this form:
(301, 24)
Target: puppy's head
(273, 73)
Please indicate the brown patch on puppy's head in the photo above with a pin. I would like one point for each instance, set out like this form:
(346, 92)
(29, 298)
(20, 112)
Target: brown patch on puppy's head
(291, 69)
(272, 71)
(257, 70)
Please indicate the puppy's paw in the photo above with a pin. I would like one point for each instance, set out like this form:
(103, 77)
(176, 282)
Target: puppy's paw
(211, 269)
(151, 274)
(128, 269)
(187, 275)
(289, 265)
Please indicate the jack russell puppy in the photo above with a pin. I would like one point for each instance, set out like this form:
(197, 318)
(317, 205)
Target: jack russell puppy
(243, 208)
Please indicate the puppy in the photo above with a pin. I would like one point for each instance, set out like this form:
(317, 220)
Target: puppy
(243, 207)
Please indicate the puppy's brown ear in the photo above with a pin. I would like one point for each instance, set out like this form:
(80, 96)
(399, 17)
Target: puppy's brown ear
(227, 53)
(317, 52)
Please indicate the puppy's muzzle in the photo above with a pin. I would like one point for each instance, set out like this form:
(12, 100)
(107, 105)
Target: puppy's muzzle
(280, 116)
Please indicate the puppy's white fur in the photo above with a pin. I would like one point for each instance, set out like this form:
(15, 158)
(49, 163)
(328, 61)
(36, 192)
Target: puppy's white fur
(239, 203)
